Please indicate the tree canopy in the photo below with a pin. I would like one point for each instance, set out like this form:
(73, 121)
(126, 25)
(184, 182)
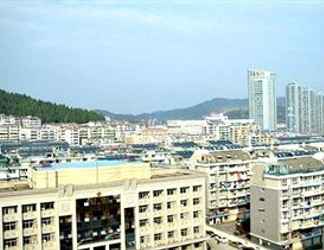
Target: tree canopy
(23, 105)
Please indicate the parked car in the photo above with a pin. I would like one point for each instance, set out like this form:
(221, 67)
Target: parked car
(236, 244)
(221, 239)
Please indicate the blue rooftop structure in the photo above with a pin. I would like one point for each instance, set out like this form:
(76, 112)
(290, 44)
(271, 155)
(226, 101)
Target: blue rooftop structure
(81, 165)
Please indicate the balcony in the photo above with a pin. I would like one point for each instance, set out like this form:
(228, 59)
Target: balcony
(12, 248)
(49, 245)
(30, 215)
(10, 234)
(30, 231)
(33, 246)
(48, 229)
(10, 217)
(48, 213)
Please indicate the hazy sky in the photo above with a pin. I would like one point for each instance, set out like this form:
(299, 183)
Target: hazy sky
(144, 55)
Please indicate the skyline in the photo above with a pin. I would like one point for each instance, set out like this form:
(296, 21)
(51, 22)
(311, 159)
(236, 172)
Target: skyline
(140, 51)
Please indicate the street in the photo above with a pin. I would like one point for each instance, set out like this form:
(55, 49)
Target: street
(233, 238)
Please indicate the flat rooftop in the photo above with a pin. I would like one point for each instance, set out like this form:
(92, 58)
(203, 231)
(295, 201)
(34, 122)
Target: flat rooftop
(296, 165)
(82, 165)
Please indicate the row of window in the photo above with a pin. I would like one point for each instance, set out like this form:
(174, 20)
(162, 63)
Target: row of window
(170, 205)
(171, 218)
(27, 208)
(171, 234)
(169, 191)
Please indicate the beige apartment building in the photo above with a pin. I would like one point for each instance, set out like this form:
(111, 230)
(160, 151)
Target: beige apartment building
(228, 194)
(287, 203)
(103, 205)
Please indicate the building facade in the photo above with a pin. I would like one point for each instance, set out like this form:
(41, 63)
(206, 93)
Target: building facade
(287, 203)
(228, 193)
(262, 98)
(305, 110)
(111, 206)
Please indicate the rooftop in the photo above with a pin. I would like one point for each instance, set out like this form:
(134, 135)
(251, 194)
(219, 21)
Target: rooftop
(225, 156)
(81, 165)
(295, 166)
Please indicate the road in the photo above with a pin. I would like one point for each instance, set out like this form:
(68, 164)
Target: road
(235, 238)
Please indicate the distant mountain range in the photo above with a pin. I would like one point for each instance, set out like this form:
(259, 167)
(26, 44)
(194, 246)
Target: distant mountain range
(21, 105)
(234, 108)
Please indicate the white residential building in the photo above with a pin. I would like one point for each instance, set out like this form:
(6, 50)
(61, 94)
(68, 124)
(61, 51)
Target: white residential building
(262, 98)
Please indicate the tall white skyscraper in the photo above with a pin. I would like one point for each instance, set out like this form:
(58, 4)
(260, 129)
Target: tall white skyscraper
(262, 98)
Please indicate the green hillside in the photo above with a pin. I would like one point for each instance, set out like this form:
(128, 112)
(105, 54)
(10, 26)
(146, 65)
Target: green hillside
(22, 105)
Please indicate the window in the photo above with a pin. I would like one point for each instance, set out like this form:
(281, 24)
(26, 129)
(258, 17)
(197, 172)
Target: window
(143, 209)
(170, 218)
(142, 239)
(47, 237)
(9, 226)
(184, 190)
(29, 208)
(196, 201)
(184, 232)
(196, 214)
(143, 223)
(184, 203)
(261, 199)
(184, 215)
(27, 240)
(28, 223)
(171, 234)
(143, 195)
(9, 210)
(10, 243)
(196, 230)
(196, 188)
(157, 237)
(169, 205)
(46, 221)
(171, 191)
(47, 205)
(157, 193)
(157, 220)
(261, 210)
(157, 206)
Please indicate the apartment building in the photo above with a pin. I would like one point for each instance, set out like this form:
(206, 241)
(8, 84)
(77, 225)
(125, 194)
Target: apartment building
(238, 131)
(9, 133)
(305, 109)
(227, 185)
(30, 122)
(110, 205)
(287, 203)
(96, 132)
(188, 127)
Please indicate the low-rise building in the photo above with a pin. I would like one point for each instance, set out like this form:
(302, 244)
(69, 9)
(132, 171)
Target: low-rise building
(104, 205)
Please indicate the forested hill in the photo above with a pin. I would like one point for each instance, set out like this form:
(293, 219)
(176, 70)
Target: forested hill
(22, 105)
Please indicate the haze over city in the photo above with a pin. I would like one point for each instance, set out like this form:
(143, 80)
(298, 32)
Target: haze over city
(142, 56)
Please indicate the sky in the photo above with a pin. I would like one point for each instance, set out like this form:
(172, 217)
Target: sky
(138, 56)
